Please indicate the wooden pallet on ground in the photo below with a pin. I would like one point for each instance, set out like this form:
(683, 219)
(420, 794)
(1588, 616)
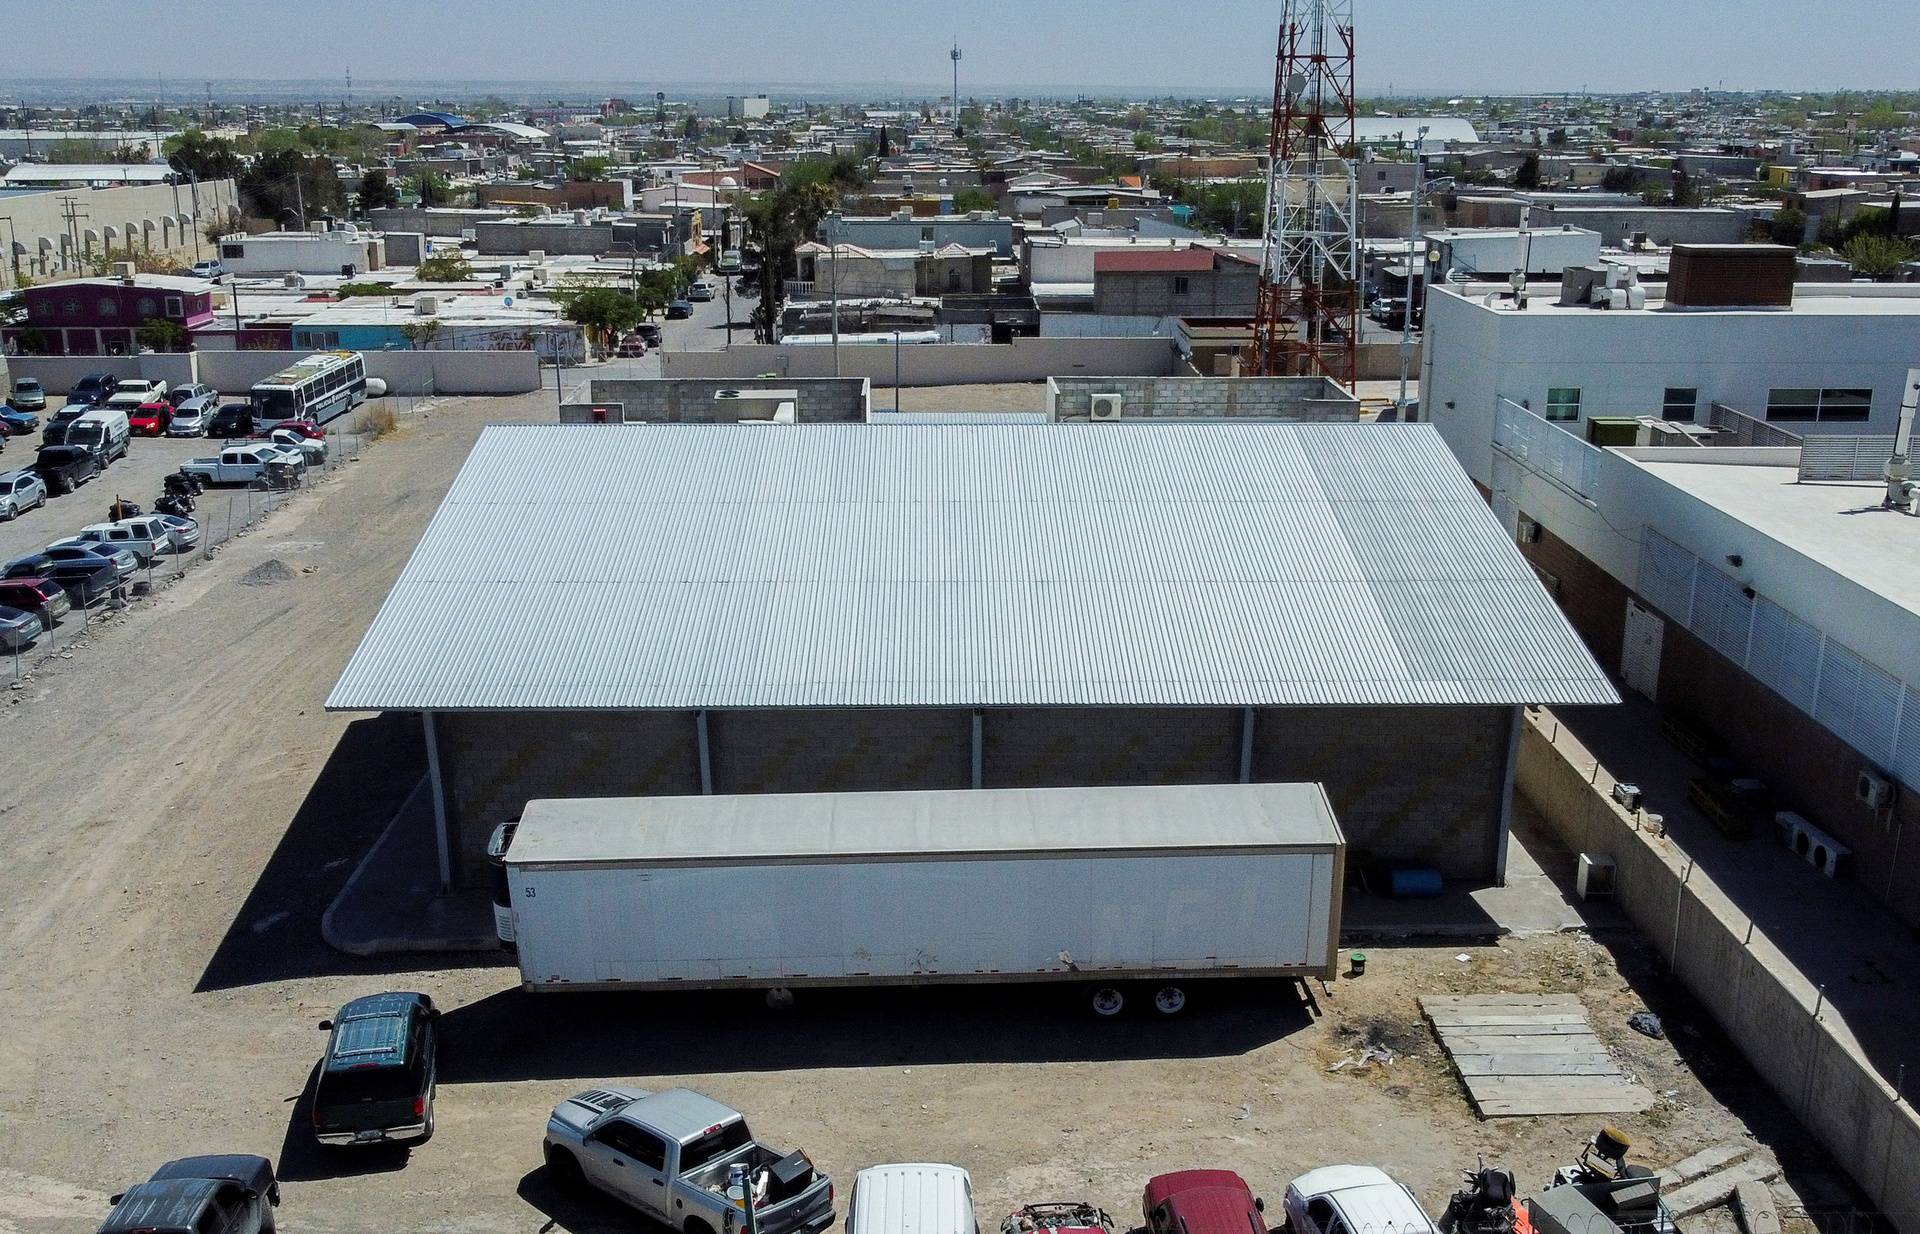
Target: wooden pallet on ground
(1524, 1054)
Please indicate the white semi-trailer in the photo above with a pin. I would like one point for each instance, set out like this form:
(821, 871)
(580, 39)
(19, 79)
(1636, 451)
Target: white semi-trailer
(1139, 888)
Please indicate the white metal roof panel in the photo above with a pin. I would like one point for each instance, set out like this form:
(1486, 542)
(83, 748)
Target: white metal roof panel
(983, 822)
(964, 565)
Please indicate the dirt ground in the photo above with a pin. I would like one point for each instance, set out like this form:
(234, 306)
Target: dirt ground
(180, 810)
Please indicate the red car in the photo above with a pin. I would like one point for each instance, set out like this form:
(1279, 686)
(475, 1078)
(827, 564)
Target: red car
(306, 428)
(150, 419)
(1202, 1202)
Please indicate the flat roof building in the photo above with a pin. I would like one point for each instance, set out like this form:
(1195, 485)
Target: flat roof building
(829, 607)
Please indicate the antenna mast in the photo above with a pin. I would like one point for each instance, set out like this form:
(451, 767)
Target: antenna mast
(1307, 320)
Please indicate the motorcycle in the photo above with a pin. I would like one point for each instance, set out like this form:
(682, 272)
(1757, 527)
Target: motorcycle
(186, 483)
(178, 506)
(1487, 1205)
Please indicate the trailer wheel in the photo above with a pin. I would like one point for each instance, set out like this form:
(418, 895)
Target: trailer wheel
(1107, 1001)
(780, 998)
(1169, 1000)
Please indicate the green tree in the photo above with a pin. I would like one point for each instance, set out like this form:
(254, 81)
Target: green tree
(432, 189)
(158, 334)
(208, 158)
(1621, 179)
(1788, 226)
(1876, 256)
(444, 268)
(1527, 175)
(420, 331)
(347, 291)
(605, 313)
(232, 223)
(1145, 142)
(526, 173)
(377, 191)
(75, 150)
(268, 185)
(967, 200)
(590, 168)
(778, 222)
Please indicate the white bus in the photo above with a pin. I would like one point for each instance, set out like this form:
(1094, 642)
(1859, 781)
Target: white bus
(325, 385)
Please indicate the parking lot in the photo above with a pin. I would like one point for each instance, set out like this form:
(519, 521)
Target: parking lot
(192, 810)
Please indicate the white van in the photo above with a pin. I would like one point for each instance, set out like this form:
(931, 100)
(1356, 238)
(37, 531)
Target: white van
(917, 1198)
(104, 431)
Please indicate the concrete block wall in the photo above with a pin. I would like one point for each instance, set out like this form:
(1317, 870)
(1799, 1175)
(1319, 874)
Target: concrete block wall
(840, 751)
(405, 372)
(1072, 747)
(685, 400)
(1751, 988)
(59, 373)
(933, 364)
(1289, 398)
(1416, 784)
(493, 763)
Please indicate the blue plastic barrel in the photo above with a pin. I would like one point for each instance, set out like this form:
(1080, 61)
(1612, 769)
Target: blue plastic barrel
(1413, 882)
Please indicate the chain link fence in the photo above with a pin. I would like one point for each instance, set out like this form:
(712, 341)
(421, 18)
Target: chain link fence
(221, 514)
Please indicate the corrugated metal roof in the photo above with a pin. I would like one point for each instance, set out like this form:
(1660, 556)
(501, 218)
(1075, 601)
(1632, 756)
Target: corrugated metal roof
(967, 565)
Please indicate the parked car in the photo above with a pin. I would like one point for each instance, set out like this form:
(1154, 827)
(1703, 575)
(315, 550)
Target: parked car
(143, 533)
(65, 468)
(920, 1198)
(631, 347)
(151, 419)
(28, 395)
(668, 1155)
(207, 270)
(125, 562)
(376, 1080)
(18, 628)
(16, 423)
(189, 390)
(227, 1194)
(184, 531)
(231, 420)
(649, 332)
(1353, 1199)
(1203, 1202)
(1058, 1217)
(20, 491)
(243, 464)
(42, 597)
(191, 417)
(677, 309)
(699, 291)
(311, 448)
(91, 389)
(85, 583)
(306, 428)
(55, 432)
(103, 430)
(145, 387)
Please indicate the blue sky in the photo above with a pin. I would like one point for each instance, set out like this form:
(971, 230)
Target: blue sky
(1066, 45)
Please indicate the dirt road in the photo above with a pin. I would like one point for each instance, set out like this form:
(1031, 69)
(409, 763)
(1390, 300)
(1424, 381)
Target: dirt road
(179, 810)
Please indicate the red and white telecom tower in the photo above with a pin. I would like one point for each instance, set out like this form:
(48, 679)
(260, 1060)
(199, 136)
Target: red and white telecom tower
(1308, 319)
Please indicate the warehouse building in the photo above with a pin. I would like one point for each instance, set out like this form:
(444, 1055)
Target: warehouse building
(823, 607)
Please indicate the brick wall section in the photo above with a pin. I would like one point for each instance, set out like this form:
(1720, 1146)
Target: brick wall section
(493, 763)
(1292, 398)
(1593, 600)
(840, 751)
(1416, 784)
(689, 400)
(1072, 747)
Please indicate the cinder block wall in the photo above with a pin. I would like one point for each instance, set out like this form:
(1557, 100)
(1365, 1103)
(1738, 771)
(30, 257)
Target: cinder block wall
(689, 400)
(1419, 784)
(1069, 747)
(493, 763)
(840, 751)
(1290, 398)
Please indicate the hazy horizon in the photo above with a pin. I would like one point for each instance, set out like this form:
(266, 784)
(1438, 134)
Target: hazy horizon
(874, 49)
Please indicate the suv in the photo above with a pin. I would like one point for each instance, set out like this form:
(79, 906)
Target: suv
(91, 389)
(42, 597)
(1350, 1199)
(231, 420)
(19, 491)
(186, 390)
(376, 1079)
(207, 270)
(228, 1194)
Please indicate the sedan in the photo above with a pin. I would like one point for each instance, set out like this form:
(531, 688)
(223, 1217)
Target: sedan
(184, 532)
(312, 449)
(678, 310)
(150, 419)
(306, 428)
(28, 395)
(20, 491)
(15, 422)
(124, 561)
(18, 628)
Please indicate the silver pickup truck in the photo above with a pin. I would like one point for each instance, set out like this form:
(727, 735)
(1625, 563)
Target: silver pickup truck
(671, 1155)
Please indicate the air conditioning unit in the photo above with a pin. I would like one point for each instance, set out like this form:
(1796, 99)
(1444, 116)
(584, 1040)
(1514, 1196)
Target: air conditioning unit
(1873, 790)
(426, 306)
(1811, 844)
(1526, 531)
(1104, 406)
(1593, 878)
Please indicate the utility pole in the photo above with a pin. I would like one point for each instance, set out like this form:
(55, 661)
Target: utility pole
(833, 253)
(955, 53)
(300, 191)
(1413, 267)
(73, 214)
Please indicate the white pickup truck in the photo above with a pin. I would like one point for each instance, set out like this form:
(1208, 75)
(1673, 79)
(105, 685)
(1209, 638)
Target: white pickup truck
(244, 464)
(676, 1156)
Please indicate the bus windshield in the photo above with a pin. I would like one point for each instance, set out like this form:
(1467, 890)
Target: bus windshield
(276, 404)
